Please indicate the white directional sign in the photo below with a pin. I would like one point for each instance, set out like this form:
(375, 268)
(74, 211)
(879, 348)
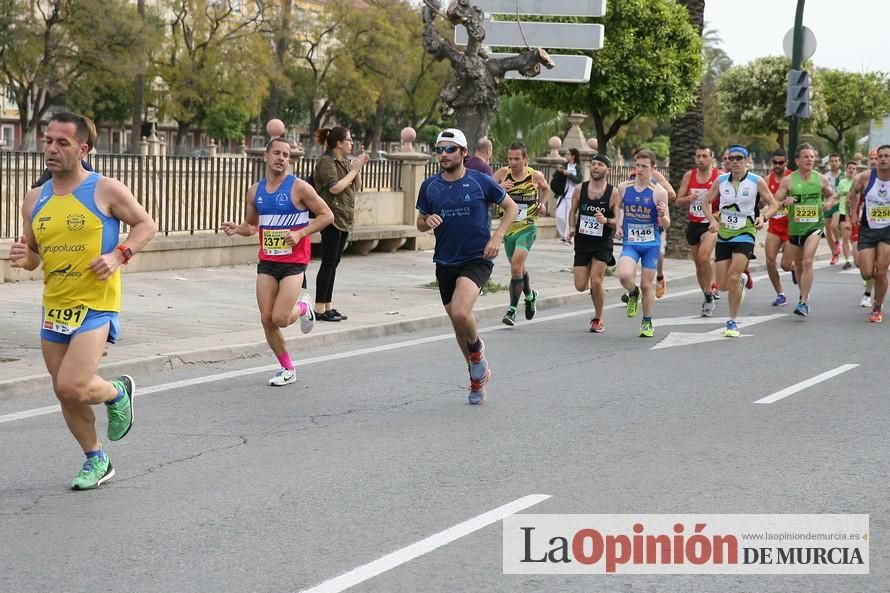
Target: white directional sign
(544, 7)
(716, 335)
(567, 69)
(547, 35)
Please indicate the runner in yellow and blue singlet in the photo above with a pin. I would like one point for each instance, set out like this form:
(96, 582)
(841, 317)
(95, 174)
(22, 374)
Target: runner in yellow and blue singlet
(71, 226)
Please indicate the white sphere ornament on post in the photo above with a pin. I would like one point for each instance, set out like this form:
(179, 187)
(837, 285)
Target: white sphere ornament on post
(275, 128)
(408, 136)
(555, 143)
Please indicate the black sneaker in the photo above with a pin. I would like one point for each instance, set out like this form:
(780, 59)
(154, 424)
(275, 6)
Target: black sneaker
(327, 316)
(531, 305)
(339, 314)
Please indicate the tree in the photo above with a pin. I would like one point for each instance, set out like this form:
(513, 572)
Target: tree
(215, 52)
(226, 121)
(686, 134)
(517, 118)
(57, 52)
(847, 100)
(650, 65)
(375, 90)
(281, 37)
(750, 99)
(473, 93)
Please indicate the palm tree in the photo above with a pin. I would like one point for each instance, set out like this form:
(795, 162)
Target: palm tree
(717, 61)
(518, 119)
(686, 134)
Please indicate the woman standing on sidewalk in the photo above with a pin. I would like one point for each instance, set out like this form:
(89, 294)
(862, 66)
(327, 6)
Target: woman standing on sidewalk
(572, 174)
(336, 180)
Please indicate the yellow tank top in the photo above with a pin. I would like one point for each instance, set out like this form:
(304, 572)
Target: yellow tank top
(525, 194)
(71, 232)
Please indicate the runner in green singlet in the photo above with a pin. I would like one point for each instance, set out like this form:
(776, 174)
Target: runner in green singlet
(806, 193)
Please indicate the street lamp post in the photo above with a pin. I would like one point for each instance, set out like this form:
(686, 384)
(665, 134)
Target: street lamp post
(796, 59)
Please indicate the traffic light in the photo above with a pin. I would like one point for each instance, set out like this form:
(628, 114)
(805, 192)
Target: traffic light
(798, 99)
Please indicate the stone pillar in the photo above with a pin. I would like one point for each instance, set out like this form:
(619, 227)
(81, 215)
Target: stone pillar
(143, 146)
(153, 144)
(412, 165)
(211, 148)
(575, 139)
(547, 165)
(162, 146)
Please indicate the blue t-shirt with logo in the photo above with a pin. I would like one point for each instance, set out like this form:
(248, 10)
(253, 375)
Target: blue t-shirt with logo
(463, 206)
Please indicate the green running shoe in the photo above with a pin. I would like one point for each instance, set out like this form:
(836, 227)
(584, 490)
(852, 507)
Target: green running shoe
(95, 471)
(509, 317)
(633, 300)
(531, 305)
(647, 330)
(120, 414)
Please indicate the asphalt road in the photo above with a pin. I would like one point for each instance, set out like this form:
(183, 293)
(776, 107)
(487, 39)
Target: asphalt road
(228, 485)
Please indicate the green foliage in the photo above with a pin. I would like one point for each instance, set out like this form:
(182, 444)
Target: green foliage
(750, 99)
(70, 53)
(848, 99)
(661, 146)
(226, 121)
(428, 134)
(650, 65)
(384, 78)
(213, 54)
(519, 119)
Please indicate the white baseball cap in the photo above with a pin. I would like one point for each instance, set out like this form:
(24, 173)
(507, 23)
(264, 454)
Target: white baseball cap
(452, 135)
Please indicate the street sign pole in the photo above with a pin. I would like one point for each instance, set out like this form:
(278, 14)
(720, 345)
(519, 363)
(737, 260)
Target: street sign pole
(796, 59)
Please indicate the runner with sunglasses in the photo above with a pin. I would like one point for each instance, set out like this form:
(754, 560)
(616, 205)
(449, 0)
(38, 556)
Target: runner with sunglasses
(454, 204)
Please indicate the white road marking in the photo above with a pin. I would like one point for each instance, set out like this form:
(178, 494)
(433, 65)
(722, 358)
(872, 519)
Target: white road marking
(424, 546)
(804, 384)
(32, 413)
(143, 391)
(715, 335)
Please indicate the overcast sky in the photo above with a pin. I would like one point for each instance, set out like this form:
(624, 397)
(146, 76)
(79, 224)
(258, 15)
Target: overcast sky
(850, 35)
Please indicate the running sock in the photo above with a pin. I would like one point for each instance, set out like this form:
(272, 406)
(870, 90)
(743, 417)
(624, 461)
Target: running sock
(709, 297)
(647, 320)
(92, 454)
(515, 291)
(285, 361)
(526, 285)
(635, 292)
(120, 395)
(867, 293)
(304, 308)
(659, 277)
(475, 346)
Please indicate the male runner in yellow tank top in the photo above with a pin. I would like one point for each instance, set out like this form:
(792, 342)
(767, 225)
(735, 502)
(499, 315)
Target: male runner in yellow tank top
(528, 188)
(71, 225)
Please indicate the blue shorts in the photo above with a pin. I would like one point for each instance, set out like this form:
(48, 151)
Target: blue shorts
(646, 254)
(93, 320)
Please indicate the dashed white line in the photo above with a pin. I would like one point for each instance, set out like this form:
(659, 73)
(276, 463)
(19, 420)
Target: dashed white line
(424, 546)
(804, 384)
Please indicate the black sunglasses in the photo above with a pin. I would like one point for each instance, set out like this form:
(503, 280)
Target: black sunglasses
(735, 157)
(450, 149)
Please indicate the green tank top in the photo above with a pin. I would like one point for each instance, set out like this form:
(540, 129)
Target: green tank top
(843, 188)
(805, 215)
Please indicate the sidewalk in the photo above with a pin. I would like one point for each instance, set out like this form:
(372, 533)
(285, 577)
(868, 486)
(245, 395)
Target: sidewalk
(180, 317)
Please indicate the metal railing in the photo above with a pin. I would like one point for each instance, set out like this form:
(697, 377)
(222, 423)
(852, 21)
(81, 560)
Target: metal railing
(183, 194)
